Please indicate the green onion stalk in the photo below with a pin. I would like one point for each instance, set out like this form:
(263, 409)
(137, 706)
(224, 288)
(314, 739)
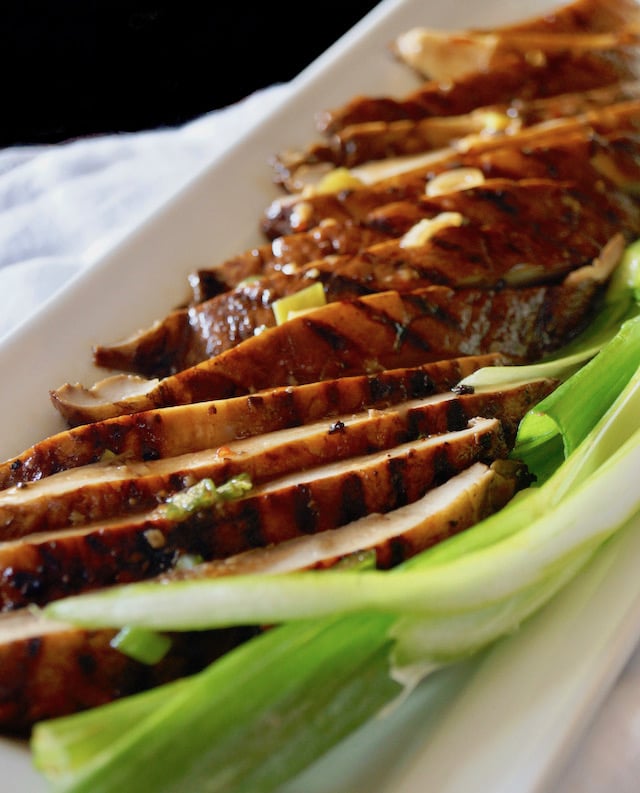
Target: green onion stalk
(348, 643)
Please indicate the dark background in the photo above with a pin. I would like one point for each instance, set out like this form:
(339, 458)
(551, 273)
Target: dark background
(73, 68)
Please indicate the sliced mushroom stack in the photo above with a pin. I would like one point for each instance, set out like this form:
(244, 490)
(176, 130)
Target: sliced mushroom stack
(474, 223)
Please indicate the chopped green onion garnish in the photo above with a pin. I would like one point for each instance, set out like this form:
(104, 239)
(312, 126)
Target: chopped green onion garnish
(306, 299)
(142, 645)
(203, 495)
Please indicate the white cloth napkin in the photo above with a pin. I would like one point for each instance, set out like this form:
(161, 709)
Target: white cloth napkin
(63, 205)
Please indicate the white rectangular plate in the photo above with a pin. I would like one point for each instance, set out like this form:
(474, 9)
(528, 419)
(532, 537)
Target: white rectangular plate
(502, 722)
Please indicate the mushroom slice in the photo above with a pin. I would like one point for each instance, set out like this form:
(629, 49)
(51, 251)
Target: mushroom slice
(321, 498)
(379, 331)
(119, 487)
(284, 254)
(447, 56)
(579, 25)
(393, 537)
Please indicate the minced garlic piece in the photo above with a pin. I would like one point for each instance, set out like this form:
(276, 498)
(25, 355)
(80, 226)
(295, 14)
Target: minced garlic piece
(301, 215)
(492, 121)
(536, 58)
(337, 180)
(454, 180)
(426, 228)
(155, 538)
